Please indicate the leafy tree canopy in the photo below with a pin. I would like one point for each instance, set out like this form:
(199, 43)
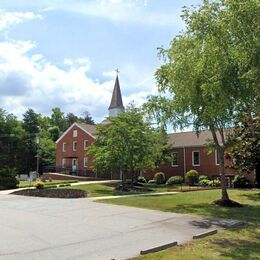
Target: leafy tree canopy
(128, 144)
(210, 71)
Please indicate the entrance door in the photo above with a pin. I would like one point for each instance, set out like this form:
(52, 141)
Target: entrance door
(74, 165)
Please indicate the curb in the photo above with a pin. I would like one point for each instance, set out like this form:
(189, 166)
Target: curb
(158, 248)
(237, 224)
(204, 234)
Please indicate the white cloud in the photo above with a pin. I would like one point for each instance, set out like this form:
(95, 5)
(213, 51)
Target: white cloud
(130, 11)
(7, 19)
(32, 81)
(124, 11)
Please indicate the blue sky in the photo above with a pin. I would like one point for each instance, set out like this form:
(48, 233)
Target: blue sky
(63, 53)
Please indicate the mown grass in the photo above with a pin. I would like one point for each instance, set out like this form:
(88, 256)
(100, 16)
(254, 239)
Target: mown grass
(25, 184)
(104, 189)
(108, 189)
(243, 243)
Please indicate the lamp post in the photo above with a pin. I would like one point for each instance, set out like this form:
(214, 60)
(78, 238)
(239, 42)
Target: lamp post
(37, 156)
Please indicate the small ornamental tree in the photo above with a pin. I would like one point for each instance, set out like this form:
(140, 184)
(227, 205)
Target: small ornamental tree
(129, 145)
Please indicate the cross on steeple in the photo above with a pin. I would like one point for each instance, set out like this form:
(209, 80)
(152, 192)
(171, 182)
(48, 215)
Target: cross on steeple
(117, 71)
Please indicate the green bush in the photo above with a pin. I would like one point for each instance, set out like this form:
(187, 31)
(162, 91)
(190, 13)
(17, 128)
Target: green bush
(151, 181)
(141, 179)
(175, 180)
(214, 183)
(8, 179)
(241, 181)
(203, 177)
(204, 182)
(159, 178)
(39, 184)
(192, 177)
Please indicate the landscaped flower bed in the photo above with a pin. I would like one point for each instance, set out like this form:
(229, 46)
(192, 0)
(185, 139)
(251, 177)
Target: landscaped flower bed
(53, 193)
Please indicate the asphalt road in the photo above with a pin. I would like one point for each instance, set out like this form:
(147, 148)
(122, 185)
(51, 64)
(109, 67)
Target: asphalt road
(42, 228)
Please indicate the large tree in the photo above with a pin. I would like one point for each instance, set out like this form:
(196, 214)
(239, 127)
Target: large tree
(12, 142)
(245, 149)
(129, 145)
(210, 72)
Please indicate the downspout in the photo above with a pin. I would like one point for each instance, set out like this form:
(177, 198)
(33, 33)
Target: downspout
(184, 162)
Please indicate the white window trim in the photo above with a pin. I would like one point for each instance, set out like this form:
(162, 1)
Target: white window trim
(73, 146)
(85, 147)
(85, 159)
(63, 144)
(193, 158)
(75, 133)
(175, 165)
(216, 157)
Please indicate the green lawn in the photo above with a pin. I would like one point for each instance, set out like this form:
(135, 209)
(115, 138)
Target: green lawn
(25, 184)
(241, 243)
(104, 189)
(107, 189)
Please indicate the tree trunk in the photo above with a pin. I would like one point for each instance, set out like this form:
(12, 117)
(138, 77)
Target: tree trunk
(257, 175)
(224, 193)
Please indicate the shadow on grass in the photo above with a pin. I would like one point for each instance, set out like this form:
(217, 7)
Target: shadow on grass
(247, 213)
(239, 248)
(254, 197)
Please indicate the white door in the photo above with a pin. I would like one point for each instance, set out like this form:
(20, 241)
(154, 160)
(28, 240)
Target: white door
(74, 165)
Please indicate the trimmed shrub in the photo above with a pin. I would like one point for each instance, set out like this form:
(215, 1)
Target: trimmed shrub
(159, 178)
(241, 181)
(8, 179)
(192, 177)
(141, 179)
(214, 183)
(204, 182)
(175, 180)
(151, 181)
(39, 184)
(203, 177)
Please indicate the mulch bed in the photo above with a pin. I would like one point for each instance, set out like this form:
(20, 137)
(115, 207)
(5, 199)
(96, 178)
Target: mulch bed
(197, 189)
(53, 193)
(132, 188)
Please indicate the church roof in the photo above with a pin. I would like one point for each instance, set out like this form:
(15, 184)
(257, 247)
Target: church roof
(87, 127)
(186, 139)
(116, 101)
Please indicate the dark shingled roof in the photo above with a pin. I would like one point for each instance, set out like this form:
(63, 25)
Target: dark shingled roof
(186, 139)
(89, 128)
(116, 101)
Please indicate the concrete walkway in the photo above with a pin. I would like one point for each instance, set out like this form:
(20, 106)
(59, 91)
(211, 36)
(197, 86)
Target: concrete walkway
(42, 228)
(133, 195)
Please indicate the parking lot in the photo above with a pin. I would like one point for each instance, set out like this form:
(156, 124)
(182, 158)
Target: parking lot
(41, 228)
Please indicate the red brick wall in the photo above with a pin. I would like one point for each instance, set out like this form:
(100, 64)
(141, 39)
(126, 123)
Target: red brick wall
(207, 165)
(80, 153)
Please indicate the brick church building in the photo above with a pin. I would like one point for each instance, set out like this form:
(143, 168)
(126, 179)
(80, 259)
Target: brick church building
(189, 151)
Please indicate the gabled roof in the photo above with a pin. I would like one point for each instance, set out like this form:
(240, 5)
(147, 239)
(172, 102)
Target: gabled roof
(116, 101)
(89, 129)
(186, 139)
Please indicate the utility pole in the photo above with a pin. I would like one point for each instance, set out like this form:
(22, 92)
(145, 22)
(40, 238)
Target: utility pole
(37, 156)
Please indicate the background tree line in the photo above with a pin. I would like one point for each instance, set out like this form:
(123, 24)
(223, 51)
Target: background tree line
(18, 147)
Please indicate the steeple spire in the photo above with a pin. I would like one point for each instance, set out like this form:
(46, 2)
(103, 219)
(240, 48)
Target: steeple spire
(116, 104)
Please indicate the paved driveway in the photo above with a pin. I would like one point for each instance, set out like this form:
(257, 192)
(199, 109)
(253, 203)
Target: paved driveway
(40, 228)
